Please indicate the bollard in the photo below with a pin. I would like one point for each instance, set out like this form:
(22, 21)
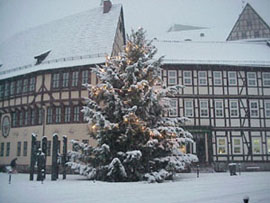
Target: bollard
(42, 175)
(239, 169)
(9, 178)
(198, 171)
(246, 199)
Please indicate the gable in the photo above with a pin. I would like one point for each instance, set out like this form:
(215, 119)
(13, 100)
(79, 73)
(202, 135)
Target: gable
(249, 26)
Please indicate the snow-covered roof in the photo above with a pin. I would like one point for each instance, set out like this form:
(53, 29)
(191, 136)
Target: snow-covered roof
(73, 40)
(256, 54)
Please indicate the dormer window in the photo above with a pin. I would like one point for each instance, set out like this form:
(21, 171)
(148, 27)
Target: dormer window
(41, 57)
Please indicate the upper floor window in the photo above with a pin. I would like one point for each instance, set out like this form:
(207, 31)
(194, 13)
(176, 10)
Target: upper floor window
(49, 115)
(172, 77)
(26, 117)
(25, 85)
(252, 80)
(12, 88)
(217, 78)
(75, 78)
(65, 79)
(19, 87)
(267, 108)
(187, 76)
(221, 145)
(40, 116)
(219, 108)
(85, 76)
(6, 89)
(237, 145)
(188, 108)
(204, 108)
(233, 108)
(33, 117)
(76, 114)
(1, 91)
(254, 109)
(14, 119)
(173, 109)
(58, 114)
(21, 118)
(32, 84)
(202, 78)
(232, 78)
(266, 79)
(67, 114)
(55, 80)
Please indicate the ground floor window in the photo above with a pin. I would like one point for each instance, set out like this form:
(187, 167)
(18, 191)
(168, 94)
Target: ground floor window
(256, 145)
(237, 145)
(24, 148)
(268, 145)
(49, 145)
(8, 149)
(19, 148)
(221, 145)
(173, 109)
(2, 149)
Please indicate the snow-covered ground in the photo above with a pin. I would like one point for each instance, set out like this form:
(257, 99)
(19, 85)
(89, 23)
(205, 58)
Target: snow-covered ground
(208, 188)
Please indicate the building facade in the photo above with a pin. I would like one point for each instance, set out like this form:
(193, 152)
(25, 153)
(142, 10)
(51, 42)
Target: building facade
(46, 96)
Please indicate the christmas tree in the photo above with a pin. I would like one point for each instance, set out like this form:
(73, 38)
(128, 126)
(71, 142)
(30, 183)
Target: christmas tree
(126, 114)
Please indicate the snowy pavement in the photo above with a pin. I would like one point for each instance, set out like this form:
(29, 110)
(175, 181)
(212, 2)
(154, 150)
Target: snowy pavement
(209, 188)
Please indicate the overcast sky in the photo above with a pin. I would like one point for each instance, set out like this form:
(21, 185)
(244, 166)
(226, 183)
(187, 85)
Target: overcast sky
(156, 16)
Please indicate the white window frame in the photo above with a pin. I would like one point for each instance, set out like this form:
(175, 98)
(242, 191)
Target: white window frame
(172, 79)
(221, 109)
(230, 78)
(268, 145)
(234, 111)
(256, 145)
(188, 109)
(267, 108)
(266, 79)
(253, 109)
(173, 108)
(217, 78)
(202, 78)
(235, 146)
(219, 146)
(204, 110)
(187, 79)
(252, 79)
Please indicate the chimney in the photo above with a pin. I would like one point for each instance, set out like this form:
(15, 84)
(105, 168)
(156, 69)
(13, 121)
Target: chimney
(107, 4)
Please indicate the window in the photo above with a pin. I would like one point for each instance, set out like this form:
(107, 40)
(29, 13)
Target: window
(217, 78)
(32, 84)
(1, 91)
(75, 78)
(14, 119)
(24, 148)
(266, 79)
(173, 109)
(76, 114)
(267, 108)
(40, 116)
(33, 117)
(256, 145)
(204, 108)
(268, 145)
(188, 108)
(67, 114)
(55, 81)
(187, 77)
(58, 114)
(49, 115)
(252, 80)
(237, 145)
(25, 85)
(254, 109)
(232, 78)
(12, 88)
(19, 148)
(221, 146)
(21, 118)
(49, 145)
(202, 78)
(65, 79)
(6, 89)
(172, 77)
(26, 117)
(2, 149)
(219, 108)
(85, 76)
(8, 149)
(233, 108)
(19, 87)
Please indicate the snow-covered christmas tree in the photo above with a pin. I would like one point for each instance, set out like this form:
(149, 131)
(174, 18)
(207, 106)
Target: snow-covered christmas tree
(126, 113)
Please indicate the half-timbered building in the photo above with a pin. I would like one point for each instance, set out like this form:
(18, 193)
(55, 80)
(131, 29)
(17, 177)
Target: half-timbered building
(41, 76)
